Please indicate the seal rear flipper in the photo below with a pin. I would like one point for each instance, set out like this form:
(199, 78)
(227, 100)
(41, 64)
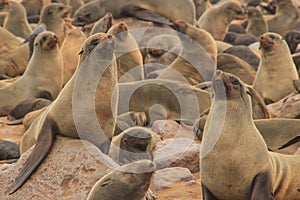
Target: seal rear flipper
(261, 187)
(291, 142)
(39, 152)
(206, 193)
(144, 14)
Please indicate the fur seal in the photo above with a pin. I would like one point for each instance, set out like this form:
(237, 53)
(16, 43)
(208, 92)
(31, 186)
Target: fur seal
(134, 143)
(245, 39)
(103, 24)
(265, 175)
(129, 57)
(156, 11)
(276, 71)
(16, 20)
(8, 150)
(201, 6)
(257, 25)
(244, 53)
(53, 16)
(8, 41)
(292, 39)
(200, 48)
(237, 66)
(74, 38)
(53, 121)
(17, 114)
(35, 82)
(130, 181)
(216, 20)
(14, 62)
(286, 15)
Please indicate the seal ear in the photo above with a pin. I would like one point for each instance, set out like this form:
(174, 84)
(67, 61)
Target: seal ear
(105, 183)
(261, 188)
(80, 52)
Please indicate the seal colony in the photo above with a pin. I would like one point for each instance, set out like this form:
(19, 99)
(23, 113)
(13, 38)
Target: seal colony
(119, 112)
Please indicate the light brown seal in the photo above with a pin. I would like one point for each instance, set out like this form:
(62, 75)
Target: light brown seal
(58, 118)
(42, 78)
(130, 181)
(216, 20)
(257, 25)
(276, 71)
(129, 57)
(16, 20)
(157, 11)
(245, 169)
(196, 61)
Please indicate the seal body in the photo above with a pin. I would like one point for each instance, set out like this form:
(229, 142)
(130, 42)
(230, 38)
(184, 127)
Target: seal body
(253, 174)
(276, 71)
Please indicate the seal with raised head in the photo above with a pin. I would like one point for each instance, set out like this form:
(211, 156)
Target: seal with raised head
(255, 173)
(276, 71)
(257, 25)
(129, 57)
(156, 11)
(130, 181)
(16, 19)
(216, 20)
(42, 78)
(103, 24)
(97, 53)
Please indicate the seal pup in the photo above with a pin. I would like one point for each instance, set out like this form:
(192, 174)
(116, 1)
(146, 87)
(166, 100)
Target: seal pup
(9, 150)
(35, 81)
(134, 143)
(255, 173)
(53, 16)
(286, 15)
(156, 11)
(216, 20)
(53, 121)
(129, 57)
(16, 19)
(198, 47)
(129, 181)
(276, 71)
(257, 25)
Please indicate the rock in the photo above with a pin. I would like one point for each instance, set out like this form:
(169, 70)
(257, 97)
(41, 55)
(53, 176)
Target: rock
(288, 107)
(165, 128)
(165, 178)
(179, 152)
(69, 172)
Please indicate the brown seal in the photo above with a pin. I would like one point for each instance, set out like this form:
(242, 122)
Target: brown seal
(231, 138)
(16, 19)
(216, 20)
(103, 24)
(58, 118)
(129, 57)
(53, 16)
(286, 15)
(42, 78)
(257, 25)
(157, 11)
(198, 47)
(130, 181)
(276, 71)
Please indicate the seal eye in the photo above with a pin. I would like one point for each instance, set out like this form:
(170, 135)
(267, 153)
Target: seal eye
(234, 81)
(273, 37)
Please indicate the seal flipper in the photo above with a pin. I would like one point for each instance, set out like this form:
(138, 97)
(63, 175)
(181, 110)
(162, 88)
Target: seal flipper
(206, 194)
(144, 14)
(261, 187)
(39, 152)
(291, 142)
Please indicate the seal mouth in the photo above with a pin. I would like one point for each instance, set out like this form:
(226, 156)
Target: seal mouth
(266, 42)
(218, 85)
(51, 42)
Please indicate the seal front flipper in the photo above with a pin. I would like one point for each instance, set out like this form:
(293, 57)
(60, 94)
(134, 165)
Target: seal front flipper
(144, 14)
(206, 193)
(261, 188)
(39, 152)
(291, 142)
